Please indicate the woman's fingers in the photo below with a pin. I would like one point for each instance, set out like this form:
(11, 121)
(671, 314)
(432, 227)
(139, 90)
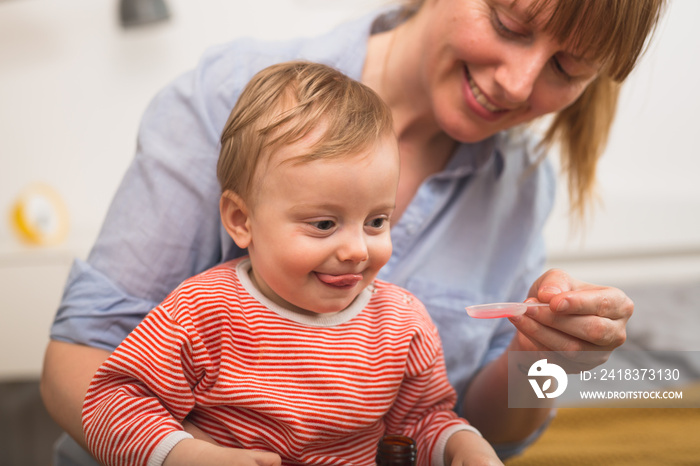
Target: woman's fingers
(561, 330)
(561, 290)
(552, 283)
(584, 323)
(572, 353)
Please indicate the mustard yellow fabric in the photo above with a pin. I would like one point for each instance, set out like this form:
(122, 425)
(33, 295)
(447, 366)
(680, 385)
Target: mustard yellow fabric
(610, 436)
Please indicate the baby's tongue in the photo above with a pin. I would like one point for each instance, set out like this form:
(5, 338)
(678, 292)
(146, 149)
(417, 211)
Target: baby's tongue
(340, 280)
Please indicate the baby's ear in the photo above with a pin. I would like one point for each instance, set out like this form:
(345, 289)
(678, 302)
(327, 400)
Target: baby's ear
(235, 218)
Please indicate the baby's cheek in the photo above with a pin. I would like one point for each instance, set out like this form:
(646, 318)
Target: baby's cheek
(382, 252)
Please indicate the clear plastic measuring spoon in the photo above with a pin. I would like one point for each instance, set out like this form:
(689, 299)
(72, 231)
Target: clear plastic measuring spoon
(497, 310)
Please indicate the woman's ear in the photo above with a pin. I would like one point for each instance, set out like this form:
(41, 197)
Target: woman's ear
(235, 217)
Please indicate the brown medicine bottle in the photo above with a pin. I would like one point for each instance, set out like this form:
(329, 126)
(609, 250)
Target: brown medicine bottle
(396, 450)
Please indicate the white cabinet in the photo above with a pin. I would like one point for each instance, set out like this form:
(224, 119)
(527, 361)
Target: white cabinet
(31, 283)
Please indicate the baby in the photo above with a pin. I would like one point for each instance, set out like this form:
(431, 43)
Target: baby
(295, 354)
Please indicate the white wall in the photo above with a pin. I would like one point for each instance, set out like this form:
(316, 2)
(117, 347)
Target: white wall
(649, 220)
(73, 85)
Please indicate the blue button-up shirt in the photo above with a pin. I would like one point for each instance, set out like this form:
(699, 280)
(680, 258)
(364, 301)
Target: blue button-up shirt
(472, 233)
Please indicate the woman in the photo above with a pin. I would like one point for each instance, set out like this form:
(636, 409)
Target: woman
(461, 78)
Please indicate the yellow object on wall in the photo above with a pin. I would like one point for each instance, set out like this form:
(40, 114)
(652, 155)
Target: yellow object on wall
(40, 216)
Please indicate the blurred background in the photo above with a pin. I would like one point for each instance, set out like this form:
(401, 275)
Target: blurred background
(76, 75)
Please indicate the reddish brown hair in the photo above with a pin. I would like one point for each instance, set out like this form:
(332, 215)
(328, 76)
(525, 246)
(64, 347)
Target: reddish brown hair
(285, 102)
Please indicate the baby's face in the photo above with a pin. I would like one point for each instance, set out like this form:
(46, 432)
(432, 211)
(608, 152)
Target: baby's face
(320, 229)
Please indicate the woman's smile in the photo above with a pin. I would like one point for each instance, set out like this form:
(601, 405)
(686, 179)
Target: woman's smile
(478, 101)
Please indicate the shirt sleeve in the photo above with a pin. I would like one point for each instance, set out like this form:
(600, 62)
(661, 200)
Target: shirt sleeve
(423, 409)
(94, 311)
(163, 223)
(138, 398)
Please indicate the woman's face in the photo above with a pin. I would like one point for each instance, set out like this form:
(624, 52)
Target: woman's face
(485, 68)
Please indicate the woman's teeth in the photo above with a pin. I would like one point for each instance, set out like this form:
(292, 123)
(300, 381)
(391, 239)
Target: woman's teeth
(481, 98)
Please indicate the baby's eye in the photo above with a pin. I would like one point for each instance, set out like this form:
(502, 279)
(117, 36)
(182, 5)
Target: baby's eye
(377, 222)
(323, 225)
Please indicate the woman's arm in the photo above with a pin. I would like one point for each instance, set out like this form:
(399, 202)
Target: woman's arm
(68, 370)
(486, 406)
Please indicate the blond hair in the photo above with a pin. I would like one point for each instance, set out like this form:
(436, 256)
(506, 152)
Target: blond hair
(615, 32)
(284, 103)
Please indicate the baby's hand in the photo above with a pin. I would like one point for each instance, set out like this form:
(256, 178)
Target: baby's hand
(189, 452)
(467, 448)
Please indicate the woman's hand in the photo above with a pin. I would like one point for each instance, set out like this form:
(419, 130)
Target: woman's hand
(583, 325)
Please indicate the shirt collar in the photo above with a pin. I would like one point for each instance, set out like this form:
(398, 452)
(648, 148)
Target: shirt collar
(473, 158)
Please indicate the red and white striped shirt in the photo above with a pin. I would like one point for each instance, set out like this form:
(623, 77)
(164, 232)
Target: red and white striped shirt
(314, 389)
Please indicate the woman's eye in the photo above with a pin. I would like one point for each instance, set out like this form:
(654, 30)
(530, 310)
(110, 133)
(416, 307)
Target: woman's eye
(502, 29)
(560, 69)
(323, 225)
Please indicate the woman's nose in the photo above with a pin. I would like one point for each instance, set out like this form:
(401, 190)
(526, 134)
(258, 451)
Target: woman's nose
(516, 76)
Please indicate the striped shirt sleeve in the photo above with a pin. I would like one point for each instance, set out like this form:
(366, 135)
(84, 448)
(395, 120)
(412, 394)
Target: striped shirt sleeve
(424, 406)
(140, 395)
